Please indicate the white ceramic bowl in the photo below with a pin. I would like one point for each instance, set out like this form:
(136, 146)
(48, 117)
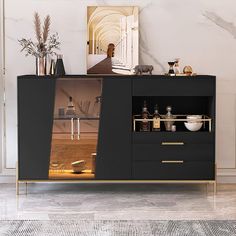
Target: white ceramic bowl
(78, 166)
(193, 126)
(193, 118)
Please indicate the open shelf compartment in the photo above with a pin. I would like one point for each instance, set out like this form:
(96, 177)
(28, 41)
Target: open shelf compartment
(182, 106)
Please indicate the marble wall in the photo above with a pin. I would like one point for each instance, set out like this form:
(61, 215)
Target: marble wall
(202, 33)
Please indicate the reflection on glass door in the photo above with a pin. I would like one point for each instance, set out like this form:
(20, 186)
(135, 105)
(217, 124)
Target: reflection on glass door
(75, 128)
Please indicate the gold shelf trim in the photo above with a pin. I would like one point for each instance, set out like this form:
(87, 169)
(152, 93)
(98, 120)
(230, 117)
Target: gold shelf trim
(179, 118)
(117, 181)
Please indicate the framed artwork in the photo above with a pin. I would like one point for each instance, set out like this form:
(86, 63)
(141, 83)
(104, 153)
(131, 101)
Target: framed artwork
(112, 39)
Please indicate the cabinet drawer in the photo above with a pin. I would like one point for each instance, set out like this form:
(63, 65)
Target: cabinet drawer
(186, 152)
(174, 86)
(191, 170)
(173, 137)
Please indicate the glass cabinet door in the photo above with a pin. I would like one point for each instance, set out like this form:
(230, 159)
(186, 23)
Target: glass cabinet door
(75, 128)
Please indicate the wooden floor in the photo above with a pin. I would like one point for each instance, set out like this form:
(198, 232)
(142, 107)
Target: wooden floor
(103, 67)
(69, 174)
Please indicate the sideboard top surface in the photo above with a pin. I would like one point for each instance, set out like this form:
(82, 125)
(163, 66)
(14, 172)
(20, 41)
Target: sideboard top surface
(117, 77)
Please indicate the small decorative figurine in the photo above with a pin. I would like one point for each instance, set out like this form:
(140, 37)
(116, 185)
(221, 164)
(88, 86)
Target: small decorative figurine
(171, 71)
(140, 69)
(176, 67)
(59, 67)
(188, 70)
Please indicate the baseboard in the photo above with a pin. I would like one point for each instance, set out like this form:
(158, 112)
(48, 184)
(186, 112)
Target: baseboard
(227, 176)
(7, 179)
(8, 176)
(226, 179)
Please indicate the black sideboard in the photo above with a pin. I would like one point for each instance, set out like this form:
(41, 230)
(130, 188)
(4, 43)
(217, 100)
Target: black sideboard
(124, 154)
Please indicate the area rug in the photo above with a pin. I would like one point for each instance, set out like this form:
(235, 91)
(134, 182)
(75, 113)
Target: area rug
(116, 228)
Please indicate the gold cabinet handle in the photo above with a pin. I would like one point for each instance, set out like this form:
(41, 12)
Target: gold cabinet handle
(78, 129)
(72, 129)
(172, 143)
(172, 161)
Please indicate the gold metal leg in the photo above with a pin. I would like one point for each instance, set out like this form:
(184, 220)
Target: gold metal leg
(215, 183)
(215, 188)
(17, 187)
(17, 182)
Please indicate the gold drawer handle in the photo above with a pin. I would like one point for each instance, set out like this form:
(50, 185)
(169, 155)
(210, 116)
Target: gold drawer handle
(172, 162)
(172, 143)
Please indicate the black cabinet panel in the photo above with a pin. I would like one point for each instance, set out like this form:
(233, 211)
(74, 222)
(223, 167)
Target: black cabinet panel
(186, 152)
(115, 130)
(185, 137)
(195, 149)
(35, 119)
(174, 86)
(155, 170)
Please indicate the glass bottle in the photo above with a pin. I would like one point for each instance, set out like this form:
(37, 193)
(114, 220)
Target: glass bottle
(156, 124)
(97, 106)
(59, 68)
(168, 124)
(70, 111)
(145, 125)
(176, 67)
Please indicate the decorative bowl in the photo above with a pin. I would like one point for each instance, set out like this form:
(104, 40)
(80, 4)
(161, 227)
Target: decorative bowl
(193, 126)
(78, 166)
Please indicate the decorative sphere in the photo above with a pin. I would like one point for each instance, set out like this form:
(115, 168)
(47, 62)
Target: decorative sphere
(188, 70)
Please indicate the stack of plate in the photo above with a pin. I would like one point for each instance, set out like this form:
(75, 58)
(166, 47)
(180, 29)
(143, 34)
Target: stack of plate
(194, 122)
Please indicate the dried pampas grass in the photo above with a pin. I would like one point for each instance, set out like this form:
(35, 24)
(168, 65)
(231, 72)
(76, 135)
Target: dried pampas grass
(37, 26)
(46, 28)
(46, 44)
(41, 35)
